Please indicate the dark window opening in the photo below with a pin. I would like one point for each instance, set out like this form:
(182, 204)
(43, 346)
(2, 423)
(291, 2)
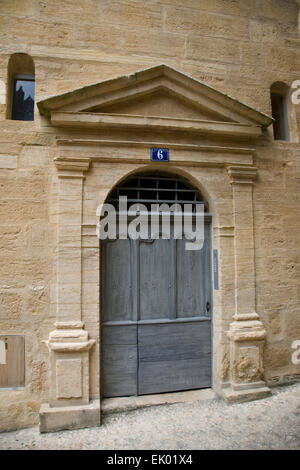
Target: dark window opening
(23, 99)
(280, 125)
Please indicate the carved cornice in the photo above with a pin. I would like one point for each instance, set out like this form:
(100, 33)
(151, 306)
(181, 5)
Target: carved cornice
(242, 174)
(120, 121)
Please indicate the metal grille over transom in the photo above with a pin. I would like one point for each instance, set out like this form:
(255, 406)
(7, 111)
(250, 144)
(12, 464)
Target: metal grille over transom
(156, 188)
(155, 301)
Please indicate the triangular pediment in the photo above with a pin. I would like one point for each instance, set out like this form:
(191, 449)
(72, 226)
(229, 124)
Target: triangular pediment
(159, 92)
(162, 103)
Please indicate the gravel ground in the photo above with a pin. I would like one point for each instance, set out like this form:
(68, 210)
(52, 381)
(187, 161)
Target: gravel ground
(271, 423)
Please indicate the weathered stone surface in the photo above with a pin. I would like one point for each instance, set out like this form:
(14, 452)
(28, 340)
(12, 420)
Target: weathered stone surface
(207, 24)
(68, 378)
(132, 14)
(207, 49)
(10, 306)
(8, 161)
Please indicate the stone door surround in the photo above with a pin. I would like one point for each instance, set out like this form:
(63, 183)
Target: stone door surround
(219, 139)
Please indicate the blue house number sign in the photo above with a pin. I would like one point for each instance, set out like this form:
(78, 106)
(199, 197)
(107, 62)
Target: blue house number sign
(159, 155)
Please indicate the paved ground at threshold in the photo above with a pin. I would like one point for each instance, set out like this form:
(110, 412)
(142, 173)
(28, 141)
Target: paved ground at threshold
(271, 423)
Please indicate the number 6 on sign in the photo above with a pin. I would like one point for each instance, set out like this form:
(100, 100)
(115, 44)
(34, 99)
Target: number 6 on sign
(159, 155)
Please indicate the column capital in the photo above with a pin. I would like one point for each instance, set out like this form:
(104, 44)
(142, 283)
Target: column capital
(72, 167)
(240, 174)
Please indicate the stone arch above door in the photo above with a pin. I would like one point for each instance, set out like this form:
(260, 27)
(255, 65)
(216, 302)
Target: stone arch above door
(104, 132)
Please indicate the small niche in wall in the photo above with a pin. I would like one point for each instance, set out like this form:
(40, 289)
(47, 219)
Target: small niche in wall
(12, 361)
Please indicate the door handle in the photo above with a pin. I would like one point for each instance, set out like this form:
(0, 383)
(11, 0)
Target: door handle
(207, 306)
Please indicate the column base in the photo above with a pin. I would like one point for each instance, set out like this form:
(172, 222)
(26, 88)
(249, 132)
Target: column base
(253, 392)
(69, 417)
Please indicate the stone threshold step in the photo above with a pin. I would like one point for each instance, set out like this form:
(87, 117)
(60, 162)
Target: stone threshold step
(119, 404)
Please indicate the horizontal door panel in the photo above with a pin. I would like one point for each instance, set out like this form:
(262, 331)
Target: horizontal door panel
(173, 341)
(169, 376)
(174, 356)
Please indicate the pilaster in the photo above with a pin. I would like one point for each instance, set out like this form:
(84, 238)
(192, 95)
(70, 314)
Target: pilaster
(246, 332)
(69, 343)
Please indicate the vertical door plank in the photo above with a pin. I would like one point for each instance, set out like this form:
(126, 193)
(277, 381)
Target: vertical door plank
(117, 281)
(193, 278)
(154, 279)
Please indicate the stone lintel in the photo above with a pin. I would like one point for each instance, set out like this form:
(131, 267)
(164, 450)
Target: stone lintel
(88, 142)
(183, 154)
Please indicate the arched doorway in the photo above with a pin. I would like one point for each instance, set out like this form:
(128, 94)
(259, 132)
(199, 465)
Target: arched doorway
(156, 299)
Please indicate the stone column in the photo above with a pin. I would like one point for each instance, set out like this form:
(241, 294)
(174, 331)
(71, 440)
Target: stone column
(69, 406)
(246, 332)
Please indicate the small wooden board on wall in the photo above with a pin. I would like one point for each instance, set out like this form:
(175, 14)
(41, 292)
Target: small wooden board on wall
(12, 361)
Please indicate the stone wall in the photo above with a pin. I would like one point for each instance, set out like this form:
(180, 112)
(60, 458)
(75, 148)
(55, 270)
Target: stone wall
(238, 47)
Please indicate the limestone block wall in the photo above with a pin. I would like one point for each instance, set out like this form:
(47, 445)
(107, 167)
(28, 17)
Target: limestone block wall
(239, 47)
(277, 216)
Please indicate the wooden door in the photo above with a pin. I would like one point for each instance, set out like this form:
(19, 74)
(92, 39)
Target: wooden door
(155, 316)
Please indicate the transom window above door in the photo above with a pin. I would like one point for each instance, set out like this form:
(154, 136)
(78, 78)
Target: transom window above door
(156, 188)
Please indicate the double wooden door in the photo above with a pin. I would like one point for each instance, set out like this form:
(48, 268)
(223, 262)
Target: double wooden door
(155, 316)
